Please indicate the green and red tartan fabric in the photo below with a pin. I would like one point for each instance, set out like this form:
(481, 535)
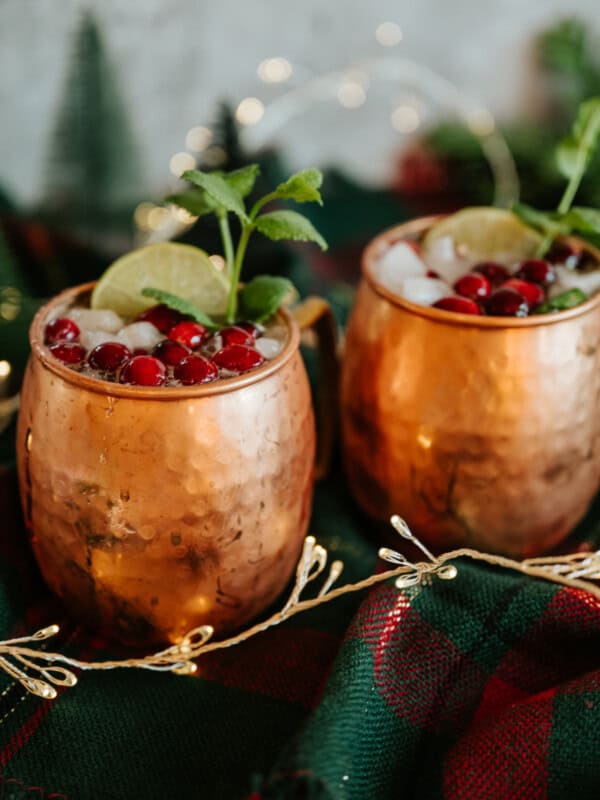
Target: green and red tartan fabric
(487, 686)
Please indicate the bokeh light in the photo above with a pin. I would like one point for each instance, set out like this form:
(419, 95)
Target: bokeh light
(250, 111)
(275, 70)
(388, 34)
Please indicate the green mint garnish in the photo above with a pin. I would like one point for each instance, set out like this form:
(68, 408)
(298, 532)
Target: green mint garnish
(223, 193)
(562, 301)
(573, 156)
(289, 225)
(181, 305)
(261, 298)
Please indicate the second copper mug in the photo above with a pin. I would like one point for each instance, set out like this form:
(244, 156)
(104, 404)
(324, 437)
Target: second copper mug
(152, 511)
(480, 431)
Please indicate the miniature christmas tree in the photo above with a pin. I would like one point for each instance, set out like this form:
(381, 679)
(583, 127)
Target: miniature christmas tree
(92, 178)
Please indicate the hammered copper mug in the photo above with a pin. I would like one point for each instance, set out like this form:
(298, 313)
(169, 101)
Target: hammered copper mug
(479, 431)
(152, 511)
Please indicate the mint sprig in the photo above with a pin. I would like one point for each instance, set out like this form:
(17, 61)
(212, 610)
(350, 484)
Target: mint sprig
(573, 156)
(223, 193)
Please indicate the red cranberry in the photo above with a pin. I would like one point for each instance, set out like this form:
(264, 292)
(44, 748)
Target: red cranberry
(561, 253)
(109, 356)
(162, 317)
(254, 329)
(532, 292)
(235, 335)
(61, 330)
(170, 352)
(460, 305)
(495, 273)
(191, 334)
(143, 371)
(506, 302)
(195, 369)
(238, 358)
(537, 270)
(474, 286)
(68, 352)
(431, 273)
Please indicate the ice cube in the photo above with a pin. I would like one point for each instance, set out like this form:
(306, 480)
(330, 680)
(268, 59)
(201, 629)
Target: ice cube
(424, 291)
(588, 282)
(140, 336)
(90, 339)
(441, 257)
(398, 262)
(96, 319)
(268, 347)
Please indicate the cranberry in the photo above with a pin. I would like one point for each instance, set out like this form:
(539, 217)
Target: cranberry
(254, 329)
(195, 369)
(431, 273)
(238, 358)
(170, 352)
(61, 329)
(474, 286)
(460, 305)
(162, 317)
(537, 270)
(235, 335)
(191, 334)
(495, 273)
(143, 371)
(532, 292)
(109, 356)
(506, 302)
(561, 253)
(68, 352)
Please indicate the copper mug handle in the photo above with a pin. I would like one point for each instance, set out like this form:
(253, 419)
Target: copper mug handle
(315, 314)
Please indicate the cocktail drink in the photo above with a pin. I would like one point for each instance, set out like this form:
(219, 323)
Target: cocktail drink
(471, 381)
(166, 443)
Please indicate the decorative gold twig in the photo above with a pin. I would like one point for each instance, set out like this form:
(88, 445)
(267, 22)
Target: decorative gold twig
(36, 670)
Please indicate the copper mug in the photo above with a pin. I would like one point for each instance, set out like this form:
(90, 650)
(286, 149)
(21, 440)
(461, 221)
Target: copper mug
(479, 431)
(153, 511)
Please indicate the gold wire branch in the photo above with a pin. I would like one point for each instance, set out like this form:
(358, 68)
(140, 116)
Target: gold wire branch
(40, 672)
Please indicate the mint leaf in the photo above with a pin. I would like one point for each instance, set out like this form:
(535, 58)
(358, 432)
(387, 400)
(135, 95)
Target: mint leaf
(194, 200)
(181, 305)
(278, 225)
(575, 151)
(261, 298)
(543, 221)
(568, 299)
(218, 190)
(242, 180)
(303, 187)
(583, 220)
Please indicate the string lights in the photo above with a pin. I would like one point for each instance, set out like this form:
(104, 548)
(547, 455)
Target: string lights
(428, 94)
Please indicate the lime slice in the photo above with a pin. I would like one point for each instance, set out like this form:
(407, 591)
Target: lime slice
(486, 233)
(180, 269)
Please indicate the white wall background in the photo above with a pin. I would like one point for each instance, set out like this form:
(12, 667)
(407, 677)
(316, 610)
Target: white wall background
(175, 58)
